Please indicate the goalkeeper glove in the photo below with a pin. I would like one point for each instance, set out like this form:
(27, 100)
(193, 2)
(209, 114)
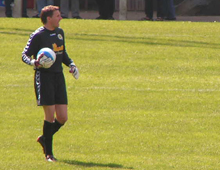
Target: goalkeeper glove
(74, 70)
(36, 63)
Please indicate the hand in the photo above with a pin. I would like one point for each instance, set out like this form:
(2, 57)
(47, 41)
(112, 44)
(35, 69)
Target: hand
(37, 62)
(76, 73)
(74, 70)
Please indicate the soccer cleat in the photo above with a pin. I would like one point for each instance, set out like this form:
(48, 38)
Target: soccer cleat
(41, 141)
(51, 158)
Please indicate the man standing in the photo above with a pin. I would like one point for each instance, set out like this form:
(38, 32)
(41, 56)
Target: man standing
(106, 9)
(64, 7)
(41, 4)
(50, 88)
(8, 8)
(149, 10)
(169, 10)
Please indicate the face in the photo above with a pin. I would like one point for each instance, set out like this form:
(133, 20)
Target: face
(55, 19)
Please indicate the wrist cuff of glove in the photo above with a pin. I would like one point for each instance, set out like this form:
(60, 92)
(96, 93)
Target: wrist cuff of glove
(33, 62)
(72, 65)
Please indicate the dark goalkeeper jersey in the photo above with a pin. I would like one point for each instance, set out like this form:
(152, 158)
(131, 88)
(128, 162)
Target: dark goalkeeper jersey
(42, 38)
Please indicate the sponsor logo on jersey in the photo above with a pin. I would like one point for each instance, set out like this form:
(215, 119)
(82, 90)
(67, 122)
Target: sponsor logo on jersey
(52, 34)
(60, 36)
(56, 48)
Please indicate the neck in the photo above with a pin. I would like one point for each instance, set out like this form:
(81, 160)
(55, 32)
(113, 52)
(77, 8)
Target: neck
(49, 27)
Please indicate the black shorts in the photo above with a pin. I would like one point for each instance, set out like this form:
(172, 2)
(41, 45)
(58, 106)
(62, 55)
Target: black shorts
(50, 88)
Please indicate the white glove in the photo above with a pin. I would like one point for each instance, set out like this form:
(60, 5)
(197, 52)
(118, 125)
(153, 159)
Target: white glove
(74, 70)
(35, 63)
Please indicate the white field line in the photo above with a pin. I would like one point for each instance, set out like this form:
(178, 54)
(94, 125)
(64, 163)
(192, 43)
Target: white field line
(150, 89)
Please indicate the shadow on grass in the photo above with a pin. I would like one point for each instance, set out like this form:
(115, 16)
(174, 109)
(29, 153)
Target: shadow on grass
(15, 31)
(154, 41)
(92, 164)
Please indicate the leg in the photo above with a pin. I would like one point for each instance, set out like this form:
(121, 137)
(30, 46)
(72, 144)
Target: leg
(149, 8)
(44, 89)
(24, 8)
(75, 8)
(8, 11)
(49, 112)
(160, 8)
(51, 126)
(49, 2)
(61, 113)
(110, 8)
(170, 10)
(40, 5)
(165, 4)
(64, 7)
(61, 99)
(52, 90)
(57, 3)
(101, 4)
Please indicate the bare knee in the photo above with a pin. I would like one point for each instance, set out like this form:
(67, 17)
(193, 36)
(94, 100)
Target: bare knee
(62, 120)
(61, 113)
(49, 113)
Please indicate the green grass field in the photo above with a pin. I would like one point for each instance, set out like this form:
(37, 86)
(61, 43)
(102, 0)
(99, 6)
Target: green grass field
(147, 99)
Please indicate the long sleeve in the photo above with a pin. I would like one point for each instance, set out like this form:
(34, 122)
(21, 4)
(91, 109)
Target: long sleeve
(31, 48)
(66, 60)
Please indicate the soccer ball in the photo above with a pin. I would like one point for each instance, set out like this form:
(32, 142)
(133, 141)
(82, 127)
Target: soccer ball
(46, 57)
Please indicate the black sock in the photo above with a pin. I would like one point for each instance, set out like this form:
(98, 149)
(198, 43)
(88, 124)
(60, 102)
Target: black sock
(56, 126)
(48, 134)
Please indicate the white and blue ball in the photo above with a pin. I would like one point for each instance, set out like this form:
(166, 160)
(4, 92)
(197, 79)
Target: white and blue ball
(48, 59)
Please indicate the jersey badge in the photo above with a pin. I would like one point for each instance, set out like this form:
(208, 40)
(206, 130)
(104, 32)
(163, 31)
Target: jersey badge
(60, 36)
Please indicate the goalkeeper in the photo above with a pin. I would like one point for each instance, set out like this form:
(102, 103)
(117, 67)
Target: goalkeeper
(50, 88)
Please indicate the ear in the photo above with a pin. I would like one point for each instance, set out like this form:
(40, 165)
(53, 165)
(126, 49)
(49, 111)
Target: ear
(48, 18)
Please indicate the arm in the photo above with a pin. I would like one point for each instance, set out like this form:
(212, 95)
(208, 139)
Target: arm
(69, 62)
(66, 60)
(73, 69)
(31, 49)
